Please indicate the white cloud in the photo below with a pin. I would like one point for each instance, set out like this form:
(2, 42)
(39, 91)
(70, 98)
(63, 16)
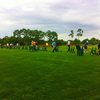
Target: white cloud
(57, 15)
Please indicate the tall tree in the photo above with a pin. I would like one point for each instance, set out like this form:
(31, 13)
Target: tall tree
(79, 33)
(51, 35)
(16, 33)
(71, 34)
(37, 35)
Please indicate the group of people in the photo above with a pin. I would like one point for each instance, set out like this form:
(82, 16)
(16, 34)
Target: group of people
(10, 45)
(80, 49)
(35, 47)
(83, 49)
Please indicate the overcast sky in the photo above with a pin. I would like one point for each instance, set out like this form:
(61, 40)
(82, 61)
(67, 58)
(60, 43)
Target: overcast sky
(57, 15)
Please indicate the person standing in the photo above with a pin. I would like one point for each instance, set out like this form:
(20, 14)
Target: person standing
(99, 45)
(99, 48)
(36, 46)
(78, 49)
(7, 45)
(85, 46)
(18, 46)
(68, 44)
(33, 44)
(0, 45)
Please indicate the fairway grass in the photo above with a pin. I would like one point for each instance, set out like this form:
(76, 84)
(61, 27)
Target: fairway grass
(44, 75)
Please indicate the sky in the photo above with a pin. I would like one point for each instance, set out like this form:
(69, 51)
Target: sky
(55, 15)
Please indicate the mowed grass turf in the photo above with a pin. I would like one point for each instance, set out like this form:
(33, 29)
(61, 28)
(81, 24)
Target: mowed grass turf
(42, 75)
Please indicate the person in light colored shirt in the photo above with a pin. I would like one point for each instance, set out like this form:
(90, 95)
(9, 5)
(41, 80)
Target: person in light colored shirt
(68, 44)
(54, 45)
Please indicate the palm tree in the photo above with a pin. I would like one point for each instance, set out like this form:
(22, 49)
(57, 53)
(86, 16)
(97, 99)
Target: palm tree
(79, 33)
(71, 34)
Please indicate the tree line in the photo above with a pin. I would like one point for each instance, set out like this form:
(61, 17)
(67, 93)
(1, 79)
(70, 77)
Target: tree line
(25, 36)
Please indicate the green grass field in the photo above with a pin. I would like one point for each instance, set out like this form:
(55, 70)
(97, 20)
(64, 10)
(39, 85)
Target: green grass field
(42, 75)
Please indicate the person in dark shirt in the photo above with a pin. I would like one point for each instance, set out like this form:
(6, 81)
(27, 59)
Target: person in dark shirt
(68, 44)
(99, 48)
(78, 49)
(99, 45)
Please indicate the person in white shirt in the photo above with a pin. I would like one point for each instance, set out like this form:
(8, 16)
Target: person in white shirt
(7, 45)
(68, 44)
